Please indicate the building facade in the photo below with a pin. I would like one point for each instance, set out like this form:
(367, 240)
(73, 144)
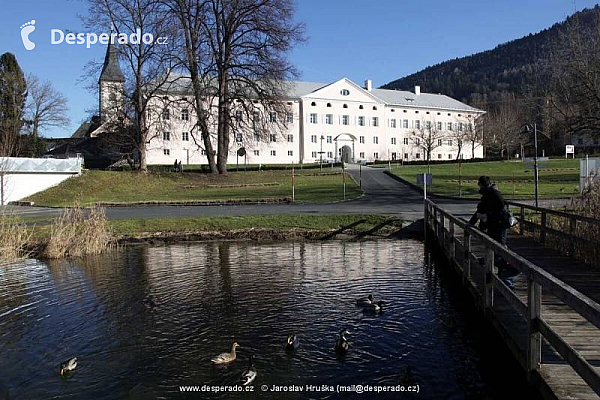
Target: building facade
(339, 121)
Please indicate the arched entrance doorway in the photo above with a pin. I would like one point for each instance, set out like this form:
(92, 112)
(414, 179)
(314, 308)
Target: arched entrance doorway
(346, 154)
(344, 147)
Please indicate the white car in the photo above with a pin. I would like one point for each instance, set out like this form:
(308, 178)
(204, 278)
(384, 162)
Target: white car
(362, 161)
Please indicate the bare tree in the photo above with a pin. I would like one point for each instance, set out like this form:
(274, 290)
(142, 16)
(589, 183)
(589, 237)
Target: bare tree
(249, 40)
(427, 136)
(147, 65)
(46, 107)
(575, 76)
(473, 134)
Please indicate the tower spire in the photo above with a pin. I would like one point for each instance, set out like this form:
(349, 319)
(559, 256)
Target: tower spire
(111, 71)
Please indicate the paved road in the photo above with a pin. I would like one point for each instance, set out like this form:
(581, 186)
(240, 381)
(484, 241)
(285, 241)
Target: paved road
(382, 195)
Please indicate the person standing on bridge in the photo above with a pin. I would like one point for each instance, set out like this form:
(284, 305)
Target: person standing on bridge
(490, 211)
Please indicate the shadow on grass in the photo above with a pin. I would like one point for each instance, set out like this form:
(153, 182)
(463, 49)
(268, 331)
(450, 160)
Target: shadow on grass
(374, 230)
(342, 229)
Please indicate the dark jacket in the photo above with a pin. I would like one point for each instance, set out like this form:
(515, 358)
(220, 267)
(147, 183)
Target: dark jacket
(492, 203)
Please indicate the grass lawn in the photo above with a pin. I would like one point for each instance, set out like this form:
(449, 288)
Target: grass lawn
(358, 223)
(557, 178)
(92, 187)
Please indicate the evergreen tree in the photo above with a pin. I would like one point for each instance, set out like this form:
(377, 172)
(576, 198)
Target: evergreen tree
(13, 93)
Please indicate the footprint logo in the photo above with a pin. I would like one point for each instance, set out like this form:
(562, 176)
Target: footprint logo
(26, 29)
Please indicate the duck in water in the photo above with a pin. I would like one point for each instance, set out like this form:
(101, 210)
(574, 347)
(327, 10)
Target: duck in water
(68, 365)
(250, 374)
(292, 343)
(226, 358)
(342, 345)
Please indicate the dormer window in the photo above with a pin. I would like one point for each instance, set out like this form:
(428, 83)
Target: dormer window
(313, 104)
(328, 104)
(360, 107)
(345, 105)
(344, 92)
(374, 108)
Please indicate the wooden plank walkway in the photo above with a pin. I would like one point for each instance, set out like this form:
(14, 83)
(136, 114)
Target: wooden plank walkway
(509, 312)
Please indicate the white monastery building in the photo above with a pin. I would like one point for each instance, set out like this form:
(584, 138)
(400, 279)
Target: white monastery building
(325, 122)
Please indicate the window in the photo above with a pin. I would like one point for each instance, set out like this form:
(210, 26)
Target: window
(460, 126)
(257, 152)
(393, 123)
(360, 107)
(238, 137)
(345, 120)
(329, 139)
(166, 135)
(361, 139)
(439, 142)
(470, 127)
(166, 152)
(450, 156)
(418, 155)
(375, 140)
(238, 116)
(290, 153)
(313, 104)
(376, 156)
(406, 156)
(273, 138)
(330, 154)
(361, 121)
(449, 126)
(405, 141)
(439, 126)
(313, 138)
(418, 142)
(289, 118)
(314, 154)
(328, 104)
(290, 138)
(273, 117)
(428, 124)
(203, 152)
(313, 118)
(449, 142)
(344, 92)
(393, 140)
(185, 136)
(361, 155)
(345, 106)
(185, 115)
(374, 108)
(394, 155)
(256, 116)
(417, 124)
(439, 156)
(273, 153)
(256, 137)
(405, 123)
(375, 121)
(166, 114)
(329, 119)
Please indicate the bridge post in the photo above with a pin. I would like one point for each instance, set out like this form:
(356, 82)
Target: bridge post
(441, 232)
(521, 223)
(488, 285)
(543, 231)
(534, 312)
(466, 256)
(572, 228)
(452, 243)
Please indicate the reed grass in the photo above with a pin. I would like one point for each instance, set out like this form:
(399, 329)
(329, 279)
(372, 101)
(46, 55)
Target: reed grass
(76, 233)
(14, 237)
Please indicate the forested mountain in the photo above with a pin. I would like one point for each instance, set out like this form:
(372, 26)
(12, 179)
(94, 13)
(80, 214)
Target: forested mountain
(516, 67)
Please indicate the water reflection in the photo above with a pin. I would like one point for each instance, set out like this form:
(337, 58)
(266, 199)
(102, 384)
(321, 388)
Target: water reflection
(145, 320)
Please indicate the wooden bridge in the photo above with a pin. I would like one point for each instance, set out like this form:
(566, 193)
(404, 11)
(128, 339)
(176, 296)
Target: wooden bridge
(551, 320)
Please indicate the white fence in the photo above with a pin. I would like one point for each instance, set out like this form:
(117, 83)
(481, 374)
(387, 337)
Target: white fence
(22, 177)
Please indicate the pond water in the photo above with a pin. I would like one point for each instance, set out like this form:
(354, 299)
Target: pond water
(145, 320)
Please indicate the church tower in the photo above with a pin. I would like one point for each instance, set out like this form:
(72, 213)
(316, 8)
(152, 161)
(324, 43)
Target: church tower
(111, 84)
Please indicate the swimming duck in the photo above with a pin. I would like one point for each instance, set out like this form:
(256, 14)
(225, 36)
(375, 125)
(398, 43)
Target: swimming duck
(68, 365)
(292, 342)
(249, 374)
(364, 301)
(226, 358)
(342, 345)
(374, 307)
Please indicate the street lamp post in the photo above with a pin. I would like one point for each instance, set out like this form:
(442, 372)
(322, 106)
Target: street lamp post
(321, 154)
(527, 129)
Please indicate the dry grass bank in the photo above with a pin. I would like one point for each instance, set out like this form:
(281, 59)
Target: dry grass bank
(14, 238)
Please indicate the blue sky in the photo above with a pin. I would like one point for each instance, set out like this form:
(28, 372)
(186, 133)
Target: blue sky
(379, 40)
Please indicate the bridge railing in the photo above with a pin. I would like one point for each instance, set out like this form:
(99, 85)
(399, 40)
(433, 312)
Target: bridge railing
(447, 229)
(576, 235)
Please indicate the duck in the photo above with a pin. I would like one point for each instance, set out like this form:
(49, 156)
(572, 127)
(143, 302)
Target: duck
(342, 345)
(226, 358)
(292, 342)
(250, 374)
(364, 301)
(374, 307)
(68, 365)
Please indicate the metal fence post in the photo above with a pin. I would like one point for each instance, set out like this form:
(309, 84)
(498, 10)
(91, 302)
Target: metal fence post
(572, 229)
(543, 229)
(488, 285)
(467, 256)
